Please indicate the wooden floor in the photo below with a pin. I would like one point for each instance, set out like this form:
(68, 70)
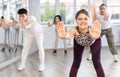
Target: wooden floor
(58, 65)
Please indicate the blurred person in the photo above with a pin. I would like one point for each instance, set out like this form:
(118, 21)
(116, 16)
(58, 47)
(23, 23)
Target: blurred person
(106, 29)
(57, 19)
(33, 30)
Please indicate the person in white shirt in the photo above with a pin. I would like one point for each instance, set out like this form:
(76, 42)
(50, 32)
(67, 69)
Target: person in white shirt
(32, 30)
(106, 29)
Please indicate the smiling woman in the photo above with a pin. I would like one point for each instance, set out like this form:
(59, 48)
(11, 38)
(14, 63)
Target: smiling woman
(83, 36)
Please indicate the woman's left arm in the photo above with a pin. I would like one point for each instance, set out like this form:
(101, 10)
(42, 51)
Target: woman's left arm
(95, 30)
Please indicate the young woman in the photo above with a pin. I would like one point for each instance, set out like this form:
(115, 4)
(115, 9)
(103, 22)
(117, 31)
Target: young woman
(83, 36)
(57, 19)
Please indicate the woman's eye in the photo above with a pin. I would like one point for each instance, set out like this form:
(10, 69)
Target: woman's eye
(82, 18)
(79, 18)
(86, 19)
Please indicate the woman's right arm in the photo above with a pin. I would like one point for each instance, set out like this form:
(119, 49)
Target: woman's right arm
(65, 34)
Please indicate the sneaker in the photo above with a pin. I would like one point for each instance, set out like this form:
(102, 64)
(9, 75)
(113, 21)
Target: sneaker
(65, 51)
(55, 51)
(115, 58)
(90, 57)
(21, 67)
(41, 68)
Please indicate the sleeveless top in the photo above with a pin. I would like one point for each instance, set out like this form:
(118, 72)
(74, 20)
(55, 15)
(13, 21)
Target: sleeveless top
(85, 40)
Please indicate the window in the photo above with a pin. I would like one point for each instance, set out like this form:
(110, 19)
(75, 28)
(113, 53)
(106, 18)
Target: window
(47, 11)
(114, 9)
(115, 19)
(115, 16)
(9, 8)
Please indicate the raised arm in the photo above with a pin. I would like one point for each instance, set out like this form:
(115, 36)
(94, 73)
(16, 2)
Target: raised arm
(93, 13)
(64, 34)
(95, 30)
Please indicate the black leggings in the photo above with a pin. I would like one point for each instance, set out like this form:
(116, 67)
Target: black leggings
(95, 50)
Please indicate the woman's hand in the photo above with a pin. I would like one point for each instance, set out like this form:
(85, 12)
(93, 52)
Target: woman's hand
(61, 30)
(95, 30)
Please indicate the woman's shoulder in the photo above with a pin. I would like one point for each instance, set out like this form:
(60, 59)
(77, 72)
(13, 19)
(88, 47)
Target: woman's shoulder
(74, 30)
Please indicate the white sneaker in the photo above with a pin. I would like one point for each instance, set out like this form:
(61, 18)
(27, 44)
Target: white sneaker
(115, 58)
(41, 68)
(90, 57)
(21, 67)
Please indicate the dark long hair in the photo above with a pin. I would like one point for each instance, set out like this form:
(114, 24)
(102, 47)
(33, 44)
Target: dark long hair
(58, 17)
(81, 11)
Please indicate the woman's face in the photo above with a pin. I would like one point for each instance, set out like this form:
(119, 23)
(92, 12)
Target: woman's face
(57, 19)
(82, 21)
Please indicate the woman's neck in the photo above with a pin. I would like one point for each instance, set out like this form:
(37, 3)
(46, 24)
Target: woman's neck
(83, 31)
